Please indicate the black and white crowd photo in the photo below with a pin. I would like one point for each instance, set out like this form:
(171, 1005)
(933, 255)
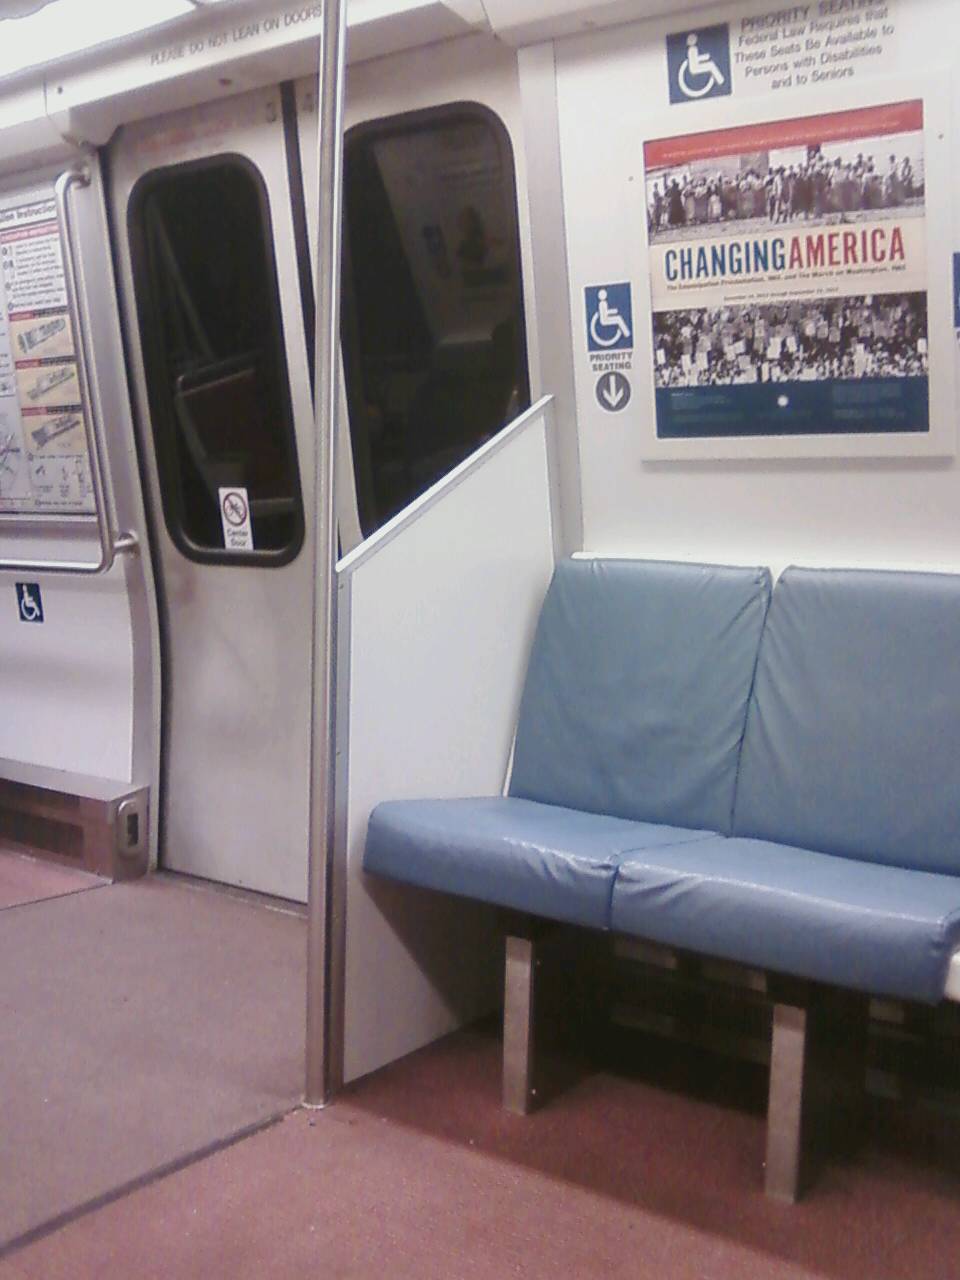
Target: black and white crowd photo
(870, 336)
(820, 183)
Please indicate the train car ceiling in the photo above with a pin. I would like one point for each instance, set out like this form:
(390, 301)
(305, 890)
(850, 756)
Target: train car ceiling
(523, 22)
(63, 28)
(83, 97)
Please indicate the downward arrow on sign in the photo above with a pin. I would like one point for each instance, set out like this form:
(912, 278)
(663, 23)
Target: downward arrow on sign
(612, 393)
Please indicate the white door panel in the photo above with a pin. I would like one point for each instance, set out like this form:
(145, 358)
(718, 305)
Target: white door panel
(236, 636)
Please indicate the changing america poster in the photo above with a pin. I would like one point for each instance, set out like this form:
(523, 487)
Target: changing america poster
(788, 269)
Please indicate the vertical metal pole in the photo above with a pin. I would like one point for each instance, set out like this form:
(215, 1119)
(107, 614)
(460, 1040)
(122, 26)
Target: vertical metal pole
(322, 729)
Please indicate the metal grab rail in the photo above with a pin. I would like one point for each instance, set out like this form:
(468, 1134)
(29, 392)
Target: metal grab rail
(112, 543)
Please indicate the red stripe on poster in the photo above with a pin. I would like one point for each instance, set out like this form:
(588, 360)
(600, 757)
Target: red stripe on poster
(837, 126)
(34, 232)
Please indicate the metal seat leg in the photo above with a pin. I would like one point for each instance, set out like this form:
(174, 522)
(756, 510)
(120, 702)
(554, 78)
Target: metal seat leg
(519, 1009)
(817, 1082)
(789, 1083)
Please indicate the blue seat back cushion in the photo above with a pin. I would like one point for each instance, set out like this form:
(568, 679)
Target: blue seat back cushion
(853, 736)
(636, 693)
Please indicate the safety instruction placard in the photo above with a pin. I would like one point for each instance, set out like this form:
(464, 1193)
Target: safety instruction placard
(44, 462)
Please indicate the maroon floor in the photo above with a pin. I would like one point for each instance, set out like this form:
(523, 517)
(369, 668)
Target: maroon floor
(416, 1174)
(24, 880)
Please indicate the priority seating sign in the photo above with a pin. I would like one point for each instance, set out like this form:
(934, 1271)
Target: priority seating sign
(609, 317)
(698, 63)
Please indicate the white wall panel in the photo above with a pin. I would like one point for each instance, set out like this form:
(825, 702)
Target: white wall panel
(898, 512)
(66, 686)
(72, 688)
(439, 608)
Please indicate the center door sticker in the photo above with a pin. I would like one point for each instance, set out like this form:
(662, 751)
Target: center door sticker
(788, 267)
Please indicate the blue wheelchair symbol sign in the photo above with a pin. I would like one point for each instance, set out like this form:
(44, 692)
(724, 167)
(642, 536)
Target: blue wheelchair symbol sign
(698, 63)
(609, 317)
(29, 602)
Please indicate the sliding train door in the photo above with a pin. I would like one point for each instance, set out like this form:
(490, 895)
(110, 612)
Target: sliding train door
(212, 266)
(434, 333)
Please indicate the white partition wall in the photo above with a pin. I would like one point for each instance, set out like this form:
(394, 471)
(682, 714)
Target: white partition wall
(437, 612)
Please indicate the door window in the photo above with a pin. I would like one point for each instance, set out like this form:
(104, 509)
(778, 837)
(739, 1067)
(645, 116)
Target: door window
(212, 339)
(433, 333)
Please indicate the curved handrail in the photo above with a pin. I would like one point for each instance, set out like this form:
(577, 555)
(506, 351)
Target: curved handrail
(112, 543)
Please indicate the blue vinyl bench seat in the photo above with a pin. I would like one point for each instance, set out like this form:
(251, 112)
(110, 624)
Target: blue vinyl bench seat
(540, 859)
(867, 927)
(770, 782)
(771, 778)
(859, 925)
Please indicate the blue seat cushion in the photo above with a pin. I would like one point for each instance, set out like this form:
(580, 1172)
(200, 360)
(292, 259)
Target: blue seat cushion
(852, 744)
(536, 858)
(861, 925)
(637, 688)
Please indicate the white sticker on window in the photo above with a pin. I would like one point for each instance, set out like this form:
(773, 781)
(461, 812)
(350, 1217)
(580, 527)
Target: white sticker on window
(235, 517)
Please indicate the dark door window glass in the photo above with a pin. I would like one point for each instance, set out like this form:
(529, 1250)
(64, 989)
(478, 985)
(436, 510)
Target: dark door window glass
(213, 352)
(433, 332)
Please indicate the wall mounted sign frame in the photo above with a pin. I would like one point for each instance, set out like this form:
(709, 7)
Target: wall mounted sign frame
(795, 305)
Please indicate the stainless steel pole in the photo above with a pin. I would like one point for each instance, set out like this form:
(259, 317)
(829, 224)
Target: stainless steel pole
(322, 728)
